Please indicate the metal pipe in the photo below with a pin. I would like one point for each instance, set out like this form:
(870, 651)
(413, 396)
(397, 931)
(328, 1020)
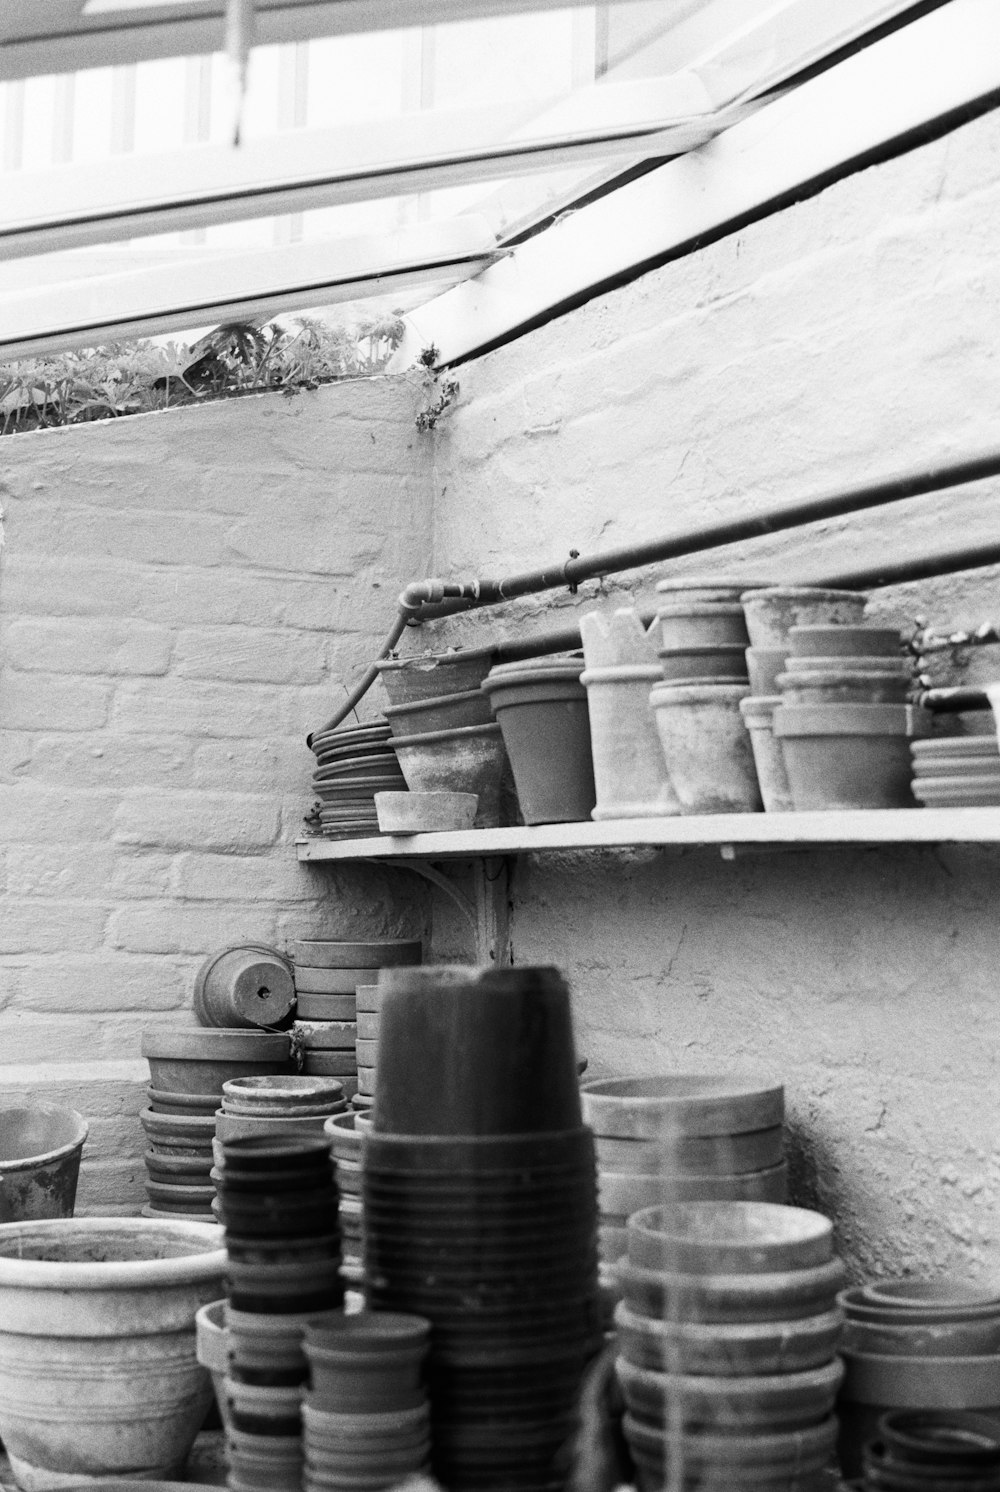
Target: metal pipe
(950, 562)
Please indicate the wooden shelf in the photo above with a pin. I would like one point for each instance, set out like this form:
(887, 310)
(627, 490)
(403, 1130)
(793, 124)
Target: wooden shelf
(749, 830)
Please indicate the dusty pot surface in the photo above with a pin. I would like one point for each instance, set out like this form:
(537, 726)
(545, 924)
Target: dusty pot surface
(680, 1103)
(769, 759)
(472, 759)
(845, 686)
(40, 1150)
(616, 639)
(247, 985)
(772, 613)
(846, 641)
(542, 710)
(847, 756)
(425, 813)
(98, 1373)
(702, 624)
(199, 1059)
(629, 771)
(706, 747)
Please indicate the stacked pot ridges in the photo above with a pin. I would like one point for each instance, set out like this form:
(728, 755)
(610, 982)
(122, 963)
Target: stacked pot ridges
(366, 1419)
(328, 972)
(920, 1345)
(480, 1213)
(957, 771)
(345, 1146)
(292, 1107)
(682, 1137)
(189, 1067)
(727, 1334)
(934, 1451)
(352, 764)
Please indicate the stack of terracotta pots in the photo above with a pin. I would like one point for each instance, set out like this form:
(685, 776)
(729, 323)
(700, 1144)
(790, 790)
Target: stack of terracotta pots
(442, 731)
(727, 1333)
(630, 773)
(327, 974)
(189, 1067)
(366, 1418)
(682, 1137)
(273, 1108)
(703, 642)
(925, 1345)
(345, 1146)
(279, 1207)
(353, 763)
(480, 1212)
(541, 708)
(957, 772)
(946, 1450)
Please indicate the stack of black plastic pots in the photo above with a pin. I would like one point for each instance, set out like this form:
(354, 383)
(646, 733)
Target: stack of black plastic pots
(278, 1201)
(366, 1423)
(481, 1211)
(934, 1451)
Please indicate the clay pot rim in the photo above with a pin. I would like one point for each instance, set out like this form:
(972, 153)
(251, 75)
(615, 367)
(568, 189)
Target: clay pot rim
(802, 592)
(428, 662)
(380, 1332)
(281, 1086)
(727, 1332)
(195, 1042)
(699, 608)
(81, 1129)
(205, 1261)
(620, 673)
(814, 1278)
(434, 702)
(829, 1375)
(459, 733)
(759, 706)
(734, 1228)
(179, 1125)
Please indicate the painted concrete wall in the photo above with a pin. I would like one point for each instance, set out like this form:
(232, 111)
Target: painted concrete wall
(182, 598)
(849, 337)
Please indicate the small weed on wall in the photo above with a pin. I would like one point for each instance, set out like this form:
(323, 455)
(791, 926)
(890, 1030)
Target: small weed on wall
(104, 383)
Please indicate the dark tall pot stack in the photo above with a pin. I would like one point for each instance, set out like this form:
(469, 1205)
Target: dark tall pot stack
(934, 1451)
(480, 1213)
(278, 1202)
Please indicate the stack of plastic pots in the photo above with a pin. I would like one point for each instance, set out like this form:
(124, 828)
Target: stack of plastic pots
(683, 1137)
(366, 1419)
(925, 1345)
(345, 1146)
(273, 1108)
(480, 1213)
(541, 707)
(327, 974)
(946, 1451)
(279, 1207)
(188, 1066)
(727, 1335)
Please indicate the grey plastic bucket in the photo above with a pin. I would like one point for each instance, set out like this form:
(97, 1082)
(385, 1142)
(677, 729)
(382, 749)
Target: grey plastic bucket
(40, 1149)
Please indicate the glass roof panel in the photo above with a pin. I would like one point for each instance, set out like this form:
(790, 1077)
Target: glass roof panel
(506, 120)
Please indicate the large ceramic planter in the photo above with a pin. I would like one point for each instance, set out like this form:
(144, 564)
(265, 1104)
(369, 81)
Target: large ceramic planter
(471, 759)
(768, 757)
(40, 1150)
(848, 756)
(434, 674)
(541, 707)
(630, 774)
(706, 747)
(199, 1059)
(250, 985)
(773, 612)
(98, 1372)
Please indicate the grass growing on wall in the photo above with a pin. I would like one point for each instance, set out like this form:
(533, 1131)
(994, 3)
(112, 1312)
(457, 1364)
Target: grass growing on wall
(104, 383)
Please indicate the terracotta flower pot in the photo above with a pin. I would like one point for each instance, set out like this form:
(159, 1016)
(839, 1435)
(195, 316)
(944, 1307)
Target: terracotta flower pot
(428, 675)
(98, 1373)
(702, 624)
(724, 1349)
(623, 1195)
(845, 686)
(786, 1295)
(541, 707)
(844, 641)
(630, 774)
(248, 985)
(40, 1150)
(680, 1104)
(196, 1060)
(848, 756)
(772, 612)
(729, 1238)
(698, 1155)
(472, 759)
(768, 757)
(706, 747)
(439, 712)
(755, 1404)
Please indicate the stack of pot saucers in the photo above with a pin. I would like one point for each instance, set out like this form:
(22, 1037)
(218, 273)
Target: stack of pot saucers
(345, 1146)
(683, 1137)
(327, 974)
(188, 1067)
(942, 1451)
(727, 1333)
(352, 765)
(925, 1345)
(366, 1418)
(272, 1108)
(279, 1207)
(957, 772)
(480, 1213)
